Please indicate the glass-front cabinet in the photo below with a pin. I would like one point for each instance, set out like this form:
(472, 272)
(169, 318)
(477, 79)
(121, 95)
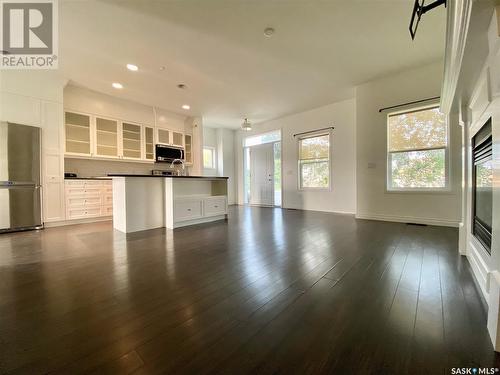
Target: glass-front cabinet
(164, 136)
(170, 137)
(106, 136)
(188, 149)
(77, 129)
(177, 139)
(149, 146)
(94, 136)
(131, 140)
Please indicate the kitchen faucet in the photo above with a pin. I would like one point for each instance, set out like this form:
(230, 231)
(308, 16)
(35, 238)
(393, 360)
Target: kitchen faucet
(183, 166)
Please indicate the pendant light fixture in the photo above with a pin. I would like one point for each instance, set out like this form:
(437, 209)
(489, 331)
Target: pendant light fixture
(247, 126)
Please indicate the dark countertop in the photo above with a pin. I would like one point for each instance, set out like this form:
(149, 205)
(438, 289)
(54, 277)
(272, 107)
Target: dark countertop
(149, 175)
(88, 178)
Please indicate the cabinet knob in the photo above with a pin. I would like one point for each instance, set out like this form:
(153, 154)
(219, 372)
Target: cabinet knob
(189, 209)
(216, 206)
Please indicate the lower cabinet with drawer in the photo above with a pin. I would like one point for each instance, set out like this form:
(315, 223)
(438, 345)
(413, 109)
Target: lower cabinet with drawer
(200, 209)
(86, 199)
(213, 206)
(188, 209)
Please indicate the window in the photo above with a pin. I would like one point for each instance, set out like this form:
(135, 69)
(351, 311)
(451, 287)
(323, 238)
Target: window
(314, 162)
(417, 150)
(274, 136)
(209, 157)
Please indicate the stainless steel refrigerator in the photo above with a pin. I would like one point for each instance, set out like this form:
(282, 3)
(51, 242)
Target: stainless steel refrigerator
(20, 190)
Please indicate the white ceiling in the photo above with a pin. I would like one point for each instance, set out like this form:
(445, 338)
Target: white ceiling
(321, 50)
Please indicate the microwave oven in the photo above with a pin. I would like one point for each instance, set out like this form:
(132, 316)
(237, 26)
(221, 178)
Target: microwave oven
(167, 154)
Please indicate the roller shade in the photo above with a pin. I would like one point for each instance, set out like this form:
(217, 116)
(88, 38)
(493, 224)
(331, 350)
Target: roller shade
(423, 129)
(316, 147)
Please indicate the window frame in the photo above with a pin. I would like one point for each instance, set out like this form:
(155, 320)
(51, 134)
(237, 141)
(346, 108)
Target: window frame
(388, 180)
(300, 186)
(214, 161)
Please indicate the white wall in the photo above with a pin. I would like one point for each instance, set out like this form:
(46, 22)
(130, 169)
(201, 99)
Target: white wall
(222, 140)
(84, 100)
(373, 201)
(96, 168)
(210, 140)
(226, 162)
(341, 115)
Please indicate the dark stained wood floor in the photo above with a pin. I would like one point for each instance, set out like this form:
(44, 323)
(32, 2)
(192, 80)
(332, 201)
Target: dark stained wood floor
(270, 291)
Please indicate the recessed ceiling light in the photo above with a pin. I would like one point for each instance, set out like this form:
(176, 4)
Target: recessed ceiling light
(132, 67)
(268, 31)
(181, 86)
(185, 106)
(117, 85)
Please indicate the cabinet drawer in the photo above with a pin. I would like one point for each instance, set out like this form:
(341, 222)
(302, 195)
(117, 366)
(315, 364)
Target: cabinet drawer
(83, 202)
(214, 206)
(107, 211)
(83, 183)
(187, 209)
(83, 191)
(107, 199)
(83, 212)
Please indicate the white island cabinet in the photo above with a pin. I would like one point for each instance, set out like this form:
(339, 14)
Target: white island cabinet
(142, 202)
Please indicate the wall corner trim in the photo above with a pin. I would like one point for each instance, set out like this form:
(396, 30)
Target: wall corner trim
(458, 18)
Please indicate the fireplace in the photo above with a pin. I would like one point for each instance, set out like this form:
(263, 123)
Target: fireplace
(482, 186)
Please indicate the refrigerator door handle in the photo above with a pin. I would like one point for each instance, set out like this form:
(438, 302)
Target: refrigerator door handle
(18, 183)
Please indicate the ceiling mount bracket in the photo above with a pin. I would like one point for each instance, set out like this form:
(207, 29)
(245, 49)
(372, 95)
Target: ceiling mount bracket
(420, 9)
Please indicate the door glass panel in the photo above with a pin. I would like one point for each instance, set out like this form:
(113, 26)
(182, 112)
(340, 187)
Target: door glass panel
(163, 136)
(149, 143)
(188, 153)
(131, 140)
(106, 137)
(77, 133)
(177, 139)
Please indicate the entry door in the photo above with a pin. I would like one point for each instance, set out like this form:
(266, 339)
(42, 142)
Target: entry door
(262, 175)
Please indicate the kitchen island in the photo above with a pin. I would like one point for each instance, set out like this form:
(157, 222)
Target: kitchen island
(142, 202)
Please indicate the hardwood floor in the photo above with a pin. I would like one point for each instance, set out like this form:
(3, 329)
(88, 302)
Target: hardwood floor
(270, 291)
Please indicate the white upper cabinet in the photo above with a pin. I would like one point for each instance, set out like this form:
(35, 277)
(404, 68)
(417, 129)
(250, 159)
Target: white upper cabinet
(188, 149)
(170, 137)
(131, 141)
(94, 136)
(178, 139)
(78, 133)
(106, 136)
(164, 136)
(149, 153)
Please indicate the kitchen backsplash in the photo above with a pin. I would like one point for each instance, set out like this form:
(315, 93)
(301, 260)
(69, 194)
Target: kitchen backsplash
(94, 168)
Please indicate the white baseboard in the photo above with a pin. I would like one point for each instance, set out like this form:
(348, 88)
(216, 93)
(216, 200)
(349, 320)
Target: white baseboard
(330, 211)
(77, 221)
(199, 221)
(409, 219)
(479, 267)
